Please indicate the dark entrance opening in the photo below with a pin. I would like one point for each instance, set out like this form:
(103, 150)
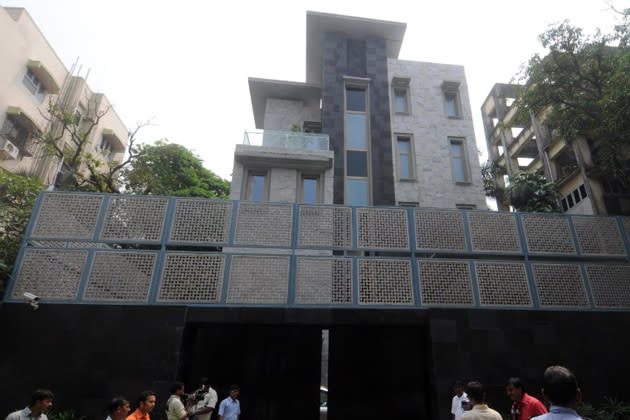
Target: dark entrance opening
(277, 367)
(378, 372)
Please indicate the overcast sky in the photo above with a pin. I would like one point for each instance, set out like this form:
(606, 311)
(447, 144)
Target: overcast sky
(185, 63)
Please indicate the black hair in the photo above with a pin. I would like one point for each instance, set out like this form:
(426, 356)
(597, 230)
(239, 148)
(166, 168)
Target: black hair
(560, 385)
(204, 380)
(176, 386)
(516, 383)
(40, 395)
(234, 387)
(144, 395)
(476, 391)
(117, 401)
(458, 382)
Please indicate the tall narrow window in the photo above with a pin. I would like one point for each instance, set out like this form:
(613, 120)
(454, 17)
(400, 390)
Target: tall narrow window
(309, 189)
(400, 90)
(451, 99)
(405, 157)
(256, 186)
(458, 159)
(357, 146)
(34, 85)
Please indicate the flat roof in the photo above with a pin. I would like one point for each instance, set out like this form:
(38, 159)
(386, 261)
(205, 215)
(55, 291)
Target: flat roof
(261, 89)
(318, 24)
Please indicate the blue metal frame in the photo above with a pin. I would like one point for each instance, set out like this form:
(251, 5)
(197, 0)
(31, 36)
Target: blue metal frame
(411, 254)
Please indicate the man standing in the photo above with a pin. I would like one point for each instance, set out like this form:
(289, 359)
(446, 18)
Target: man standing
(524, 406)
(230, 408)
(175, 409)
(561, 389)
(41, 401)
(204, 401)
(460, 398)
(146, 403)
(480, 410)
(118, 409)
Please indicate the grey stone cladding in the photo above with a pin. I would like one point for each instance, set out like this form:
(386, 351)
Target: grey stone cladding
(430, 128)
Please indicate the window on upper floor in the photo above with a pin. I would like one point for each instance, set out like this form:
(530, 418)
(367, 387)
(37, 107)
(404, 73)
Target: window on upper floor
(34, 85)
(257, 188)
(452, 103)
(15, 133)
(400, 88)
(309, 189)
(463, 206)
(357, 143)
(459, 161)
(404, 151)
(573, 198)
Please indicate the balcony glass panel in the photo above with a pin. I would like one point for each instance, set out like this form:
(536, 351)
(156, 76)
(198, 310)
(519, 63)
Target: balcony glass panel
(287, 140)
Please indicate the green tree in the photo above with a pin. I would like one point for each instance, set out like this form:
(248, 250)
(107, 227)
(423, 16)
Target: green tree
(529, 191)
(171, 169)
(582, 85)
(17, 197)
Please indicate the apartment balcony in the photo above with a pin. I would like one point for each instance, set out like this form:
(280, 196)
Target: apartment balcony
(287, 140)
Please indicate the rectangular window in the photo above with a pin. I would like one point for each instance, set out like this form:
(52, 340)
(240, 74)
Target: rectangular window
(458, 160)
(452, 102)
(465, 206)
(404, 149)
(400, 101)
(34, 85)
(357, 144)
(309, 189)
(256, 186)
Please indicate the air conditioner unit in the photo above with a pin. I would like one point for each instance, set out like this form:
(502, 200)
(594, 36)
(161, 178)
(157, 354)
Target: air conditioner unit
(8, 150)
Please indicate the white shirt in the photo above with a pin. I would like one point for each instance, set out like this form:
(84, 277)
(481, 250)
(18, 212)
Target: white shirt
(25, 415)
(209, 400)
(456, 406)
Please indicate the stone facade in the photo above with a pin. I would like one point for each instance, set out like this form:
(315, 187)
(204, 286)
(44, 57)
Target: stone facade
(432, 184)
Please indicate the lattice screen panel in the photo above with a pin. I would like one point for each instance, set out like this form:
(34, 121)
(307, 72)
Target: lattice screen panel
(445, 283)
(264, 224)
(190, 277)
(382, 228)
(138, 218)
(502, 284)
(440, 229)
(50, 274)
(548, 234)
(68, 216)
(598, 235)
(258, 279)
(323, 226)
(201, 221)
(323, 280)
(610, 285)
(494, 232)
(560, 285)
(120, 276)
(626, 226)
(385, 282)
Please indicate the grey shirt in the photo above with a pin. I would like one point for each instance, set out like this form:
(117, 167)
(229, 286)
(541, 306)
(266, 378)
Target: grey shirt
(25, 415)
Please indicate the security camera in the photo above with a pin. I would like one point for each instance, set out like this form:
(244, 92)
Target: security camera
(32, 300)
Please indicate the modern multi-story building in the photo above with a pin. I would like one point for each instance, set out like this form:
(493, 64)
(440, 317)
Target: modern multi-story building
(366, 128)
(519, 144)
(31, 76)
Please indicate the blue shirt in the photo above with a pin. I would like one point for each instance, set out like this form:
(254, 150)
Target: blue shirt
(559, 413)
(230, 409)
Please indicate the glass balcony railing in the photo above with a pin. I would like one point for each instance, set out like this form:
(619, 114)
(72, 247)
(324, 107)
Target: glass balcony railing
(287, 140)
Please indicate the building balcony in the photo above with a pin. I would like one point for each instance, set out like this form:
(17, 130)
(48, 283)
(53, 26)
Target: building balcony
(287, 140)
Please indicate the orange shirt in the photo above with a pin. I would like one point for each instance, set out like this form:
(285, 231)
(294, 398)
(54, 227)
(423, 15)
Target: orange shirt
(138, 415)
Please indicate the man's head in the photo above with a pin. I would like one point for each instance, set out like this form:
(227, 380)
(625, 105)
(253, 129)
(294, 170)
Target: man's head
(204, 383)
(234, 391)
(41, 400)
(146, 401)
(476, 392)
(515, 389)
(458, 387)
(560, 387)
(119, 408)
(177, 388)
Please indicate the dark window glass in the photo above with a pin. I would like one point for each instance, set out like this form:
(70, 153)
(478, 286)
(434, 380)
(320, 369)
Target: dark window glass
(583, 191)
(576, 196)
(357, 163)
(355, 99)
(565, 207)
(570, 201)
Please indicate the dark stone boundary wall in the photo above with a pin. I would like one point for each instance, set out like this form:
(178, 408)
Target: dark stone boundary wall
(85, 353)
(492, 345)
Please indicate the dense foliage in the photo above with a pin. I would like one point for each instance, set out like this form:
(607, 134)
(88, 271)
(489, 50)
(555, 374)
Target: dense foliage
(582, 85)
(170, 169)
(17, 197)
(529, 191)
